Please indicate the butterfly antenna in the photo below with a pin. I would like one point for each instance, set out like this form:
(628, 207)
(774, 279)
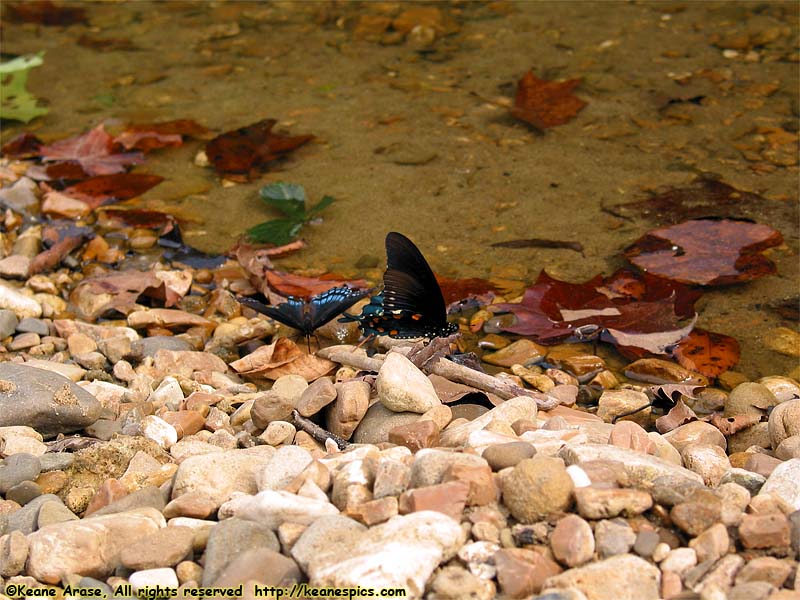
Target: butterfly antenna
(370, 337)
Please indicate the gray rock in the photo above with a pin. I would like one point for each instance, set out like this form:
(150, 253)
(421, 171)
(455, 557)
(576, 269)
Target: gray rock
(26, 518)
(782, 483)
(56, 461)
(378, 421)
(44, 400)
(613, 537)
(430, 465)
(229, 539)
(334, 531)
(263, 565)
(54, 512)
(24, 492)
(18, 468)
(8, 323)
(92, 583)
(749, 480)
(31, 325)
(794, 524)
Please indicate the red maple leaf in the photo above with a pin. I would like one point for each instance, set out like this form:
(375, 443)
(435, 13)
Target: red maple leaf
(94, 151)
(107, 189)
(148, 137)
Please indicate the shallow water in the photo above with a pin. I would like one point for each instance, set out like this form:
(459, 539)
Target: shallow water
(417, 138)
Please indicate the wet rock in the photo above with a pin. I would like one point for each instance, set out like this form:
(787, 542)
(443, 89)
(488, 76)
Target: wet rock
(656, 370)
(370, 558)
(522, 572)
(783, 388)
(624, 577)
(782, 483)
(502, 456)
(598, 503)
(272, 508)
(708, 461)
(784, 422)
(537, 487)
(520, 352)
(572, 541)
(402, 387)
(230, 538)
(614, 403)
(163, 548)
(749, 398)
(46, 401)
(219, 474)
(613, 537)
(88, 547)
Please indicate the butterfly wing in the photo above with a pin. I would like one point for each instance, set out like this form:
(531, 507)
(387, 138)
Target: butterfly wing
(290, 313)
(413, 303)
(328, 304)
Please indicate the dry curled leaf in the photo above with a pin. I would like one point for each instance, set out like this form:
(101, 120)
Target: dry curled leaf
(282, 357)
(543, 103)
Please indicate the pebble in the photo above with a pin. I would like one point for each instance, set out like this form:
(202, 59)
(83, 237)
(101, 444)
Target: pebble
(165, 578)
(282, 467)
(784, 422)
(402, 387)
(712, 544)
(521, 407)
(502, 456)
(598, 503)
(708, 461)
(316, 396)
(536, 487)
(230, 537)
(165, 547)
(614, 403)
(17, 468)
(415, 436)
(749, 398)
(572, 541)
(696, 432)
(522, 572)
(349, 409)
(271, 508)
(613, 537)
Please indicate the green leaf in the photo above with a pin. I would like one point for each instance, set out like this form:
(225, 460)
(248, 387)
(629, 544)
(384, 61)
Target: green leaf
(15, 101)
(322, 205)
(277, 231)
(289, 198)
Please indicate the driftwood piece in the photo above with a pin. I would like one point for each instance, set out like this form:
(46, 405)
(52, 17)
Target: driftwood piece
(318, 433)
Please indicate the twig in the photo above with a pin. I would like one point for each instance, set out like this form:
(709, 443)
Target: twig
(487, 383)
(317, 432)
(352, 357)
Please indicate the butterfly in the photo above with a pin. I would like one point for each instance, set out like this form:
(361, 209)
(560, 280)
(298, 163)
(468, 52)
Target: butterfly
(411, 304)
(309, 314)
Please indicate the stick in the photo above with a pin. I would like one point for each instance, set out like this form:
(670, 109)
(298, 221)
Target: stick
(317, 432)
(351, 357)
(487, 383)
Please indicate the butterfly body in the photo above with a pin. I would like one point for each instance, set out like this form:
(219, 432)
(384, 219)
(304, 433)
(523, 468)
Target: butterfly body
(411, 304)
(309, 314)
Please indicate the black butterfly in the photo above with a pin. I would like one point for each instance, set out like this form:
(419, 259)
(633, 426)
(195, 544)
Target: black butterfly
(308, 314)
(411, 304)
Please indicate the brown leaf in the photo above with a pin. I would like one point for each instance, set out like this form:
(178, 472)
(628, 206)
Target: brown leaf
(544, 103)
(244, 153)
(108, 189)
(707, 352)
(44, 12)
(93, 151)
(147, 137)
(115, 292)
(24, 145)
(730, 425)
(706, 251)
(680, 414)
(455, 290)
(289, 284)
(282, 357)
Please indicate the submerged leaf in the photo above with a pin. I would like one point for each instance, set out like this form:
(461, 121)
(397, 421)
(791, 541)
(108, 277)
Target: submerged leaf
(277, 231)
(706, 251)
(706, 352)
(289, 198)
(44, 12)
(147, 137)
(543, 103)
(94, 151)
(243, 153)
(107, 189)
